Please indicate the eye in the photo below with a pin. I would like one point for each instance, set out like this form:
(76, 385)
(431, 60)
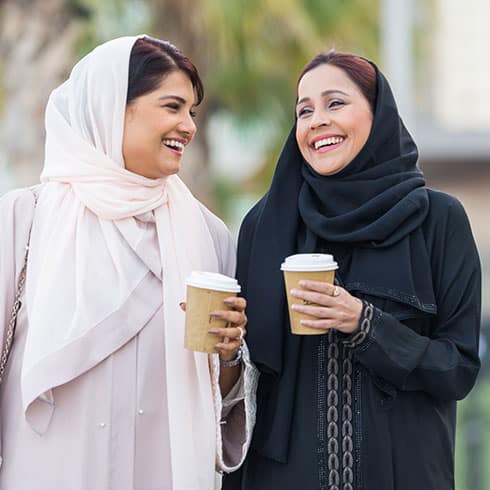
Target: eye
(174, 106)
(336, 103)
(304, 111)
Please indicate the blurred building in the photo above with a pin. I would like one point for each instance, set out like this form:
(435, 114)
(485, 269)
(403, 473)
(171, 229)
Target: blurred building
(436, 56)
(443, 92)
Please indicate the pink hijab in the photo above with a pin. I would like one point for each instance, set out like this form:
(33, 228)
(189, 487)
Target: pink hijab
(83, 265)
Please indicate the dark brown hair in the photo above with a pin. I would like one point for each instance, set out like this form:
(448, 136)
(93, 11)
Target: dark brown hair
(359, 70)
(151, 60)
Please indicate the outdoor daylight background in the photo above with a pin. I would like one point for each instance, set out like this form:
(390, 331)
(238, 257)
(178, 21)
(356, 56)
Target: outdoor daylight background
(250, 52)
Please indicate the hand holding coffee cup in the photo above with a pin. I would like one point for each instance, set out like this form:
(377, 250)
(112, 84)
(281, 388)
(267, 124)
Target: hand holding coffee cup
(234, 331)
(319, 305)
(215, 316)
(300, 267)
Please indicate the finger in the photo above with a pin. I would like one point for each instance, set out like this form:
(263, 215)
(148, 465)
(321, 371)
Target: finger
(314, 297)
(320, 324)
(321, 287)
(230, 332)
(234, 333)
(235, 302)
(316, 311)
(231, 316)
(182, 305)
(231, 346)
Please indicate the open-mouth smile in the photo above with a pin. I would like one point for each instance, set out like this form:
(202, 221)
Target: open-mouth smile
(326, 143)
(175, 145)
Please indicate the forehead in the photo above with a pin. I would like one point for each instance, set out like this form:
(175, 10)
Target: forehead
(176, 82)
(326, 77)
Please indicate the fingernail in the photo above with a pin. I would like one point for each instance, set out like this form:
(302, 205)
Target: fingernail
(228, 301)
(302, 283)
(294, 291)
(294, 307)
(213, 330)
(215, 314)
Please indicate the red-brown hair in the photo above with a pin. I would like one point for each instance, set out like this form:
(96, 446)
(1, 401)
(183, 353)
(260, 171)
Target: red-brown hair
(359, 70)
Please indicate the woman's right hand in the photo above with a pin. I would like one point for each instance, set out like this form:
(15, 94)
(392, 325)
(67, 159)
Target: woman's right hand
(334, 307)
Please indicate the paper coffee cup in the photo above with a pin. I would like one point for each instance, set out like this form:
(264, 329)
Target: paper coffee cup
(313, 267)
(205, 293)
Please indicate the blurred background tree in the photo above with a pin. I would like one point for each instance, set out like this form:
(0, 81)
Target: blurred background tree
(249, 53)
(37, 40)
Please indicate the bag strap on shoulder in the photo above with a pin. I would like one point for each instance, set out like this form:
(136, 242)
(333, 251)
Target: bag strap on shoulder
(9, 337)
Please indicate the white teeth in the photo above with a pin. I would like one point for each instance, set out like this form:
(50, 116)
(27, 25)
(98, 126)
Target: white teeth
(174, 143)
(333, 140)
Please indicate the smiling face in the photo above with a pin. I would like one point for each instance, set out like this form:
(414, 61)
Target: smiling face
(333, 119)
(158, 126)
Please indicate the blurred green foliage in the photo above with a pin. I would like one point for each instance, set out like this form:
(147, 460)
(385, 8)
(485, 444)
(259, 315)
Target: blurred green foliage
(473, 438)
(260, 47)
(250, 52)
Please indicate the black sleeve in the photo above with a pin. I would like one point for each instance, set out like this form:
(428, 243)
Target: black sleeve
(445, 363)
(245, 241)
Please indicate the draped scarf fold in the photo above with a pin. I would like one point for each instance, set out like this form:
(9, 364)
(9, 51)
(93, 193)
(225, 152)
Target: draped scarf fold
(375, 206)
(84, 269)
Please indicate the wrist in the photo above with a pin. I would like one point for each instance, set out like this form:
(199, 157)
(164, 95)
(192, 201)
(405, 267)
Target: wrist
(235, 361)
(359, 335)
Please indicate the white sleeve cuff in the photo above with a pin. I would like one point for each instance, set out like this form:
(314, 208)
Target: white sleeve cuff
(234, 414)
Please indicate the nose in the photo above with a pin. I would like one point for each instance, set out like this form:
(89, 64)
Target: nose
(320, 117)
(187, 126)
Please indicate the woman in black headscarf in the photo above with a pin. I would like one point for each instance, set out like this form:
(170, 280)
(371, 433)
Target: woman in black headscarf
(372, 403)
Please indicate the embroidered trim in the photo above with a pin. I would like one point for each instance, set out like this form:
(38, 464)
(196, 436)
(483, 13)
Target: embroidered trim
(347, 429)
(322, 433)
(334, 427)
(364, 328)
(335, 405)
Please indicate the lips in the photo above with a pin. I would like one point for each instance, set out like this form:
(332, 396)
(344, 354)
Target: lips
(175, 145)
(327, 142)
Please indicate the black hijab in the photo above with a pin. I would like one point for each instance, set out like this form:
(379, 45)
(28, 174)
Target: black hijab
(375, 206)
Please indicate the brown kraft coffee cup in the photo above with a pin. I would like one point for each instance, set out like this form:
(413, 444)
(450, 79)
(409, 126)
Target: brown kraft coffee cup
(206, 292)
(313, 267)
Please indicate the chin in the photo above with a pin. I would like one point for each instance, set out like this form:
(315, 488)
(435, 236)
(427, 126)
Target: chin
(170, 171)
(329, 169)
(324, 170)
(166, 168)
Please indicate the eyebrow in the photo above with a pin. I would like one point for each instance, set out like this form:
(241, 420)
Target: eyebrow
(324, 93)
(176, 97)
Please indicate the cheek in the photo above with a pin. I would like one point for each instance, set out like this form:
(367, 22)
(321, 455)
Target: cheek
(128, 140)
(138, 140)
(301, 138)
(367, 122)
(362, 139)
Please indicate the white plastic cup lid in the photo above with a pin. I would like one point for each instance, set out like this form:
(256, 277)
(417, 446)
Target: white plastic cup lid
(309, 263)
(214, 281)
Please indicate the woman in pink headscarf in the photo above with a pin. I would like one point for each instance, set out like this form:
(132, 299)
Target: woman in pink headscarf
(98, 391)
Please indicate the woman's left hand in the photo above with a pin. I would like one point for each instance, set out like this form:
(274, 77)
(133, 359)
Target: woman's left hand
(333, 307)
(235, 332)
